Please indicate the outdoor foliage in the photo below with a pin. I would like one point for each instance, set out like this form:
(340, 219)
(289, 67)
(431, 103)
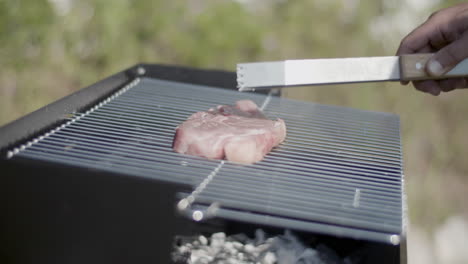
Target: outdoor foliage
(50, 48)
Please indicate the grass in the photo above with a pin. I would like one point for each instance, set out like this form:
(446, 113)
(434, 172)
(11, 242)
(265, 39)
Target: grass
(46, 56)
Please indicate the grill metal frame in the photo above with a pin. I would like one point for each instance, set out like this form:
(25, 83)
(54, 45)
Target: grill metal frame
(48, 117)
(377, 135)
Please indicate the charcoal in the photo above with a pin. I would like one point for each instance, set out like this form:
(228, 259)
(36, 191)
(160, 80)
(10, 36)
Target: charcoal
(287, 247)
(182, 240)
(217, 240)
(310, 256)
(241, 237)
(259, 237)
(237, 245)
(203, 240)
(269, 258)
(181, 256)
(240, 249)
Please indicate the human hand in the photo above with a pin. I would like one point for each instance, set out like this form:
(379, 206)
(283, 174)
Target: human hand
(445, 33)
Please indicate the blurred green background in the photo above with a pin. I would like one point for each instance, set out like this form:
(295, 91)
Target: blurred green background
(50, 48)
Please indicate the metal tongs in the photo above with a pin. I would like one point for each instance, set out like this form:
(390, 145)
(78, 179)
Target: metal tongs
(338, 71)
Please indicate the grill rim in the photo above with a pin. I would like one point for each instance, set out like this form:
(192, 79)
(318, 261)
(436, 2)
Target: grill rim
(42, 120)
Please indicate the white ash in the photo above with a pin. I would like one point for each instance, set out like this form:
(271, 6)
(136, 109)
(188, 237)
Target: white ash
(239, 249)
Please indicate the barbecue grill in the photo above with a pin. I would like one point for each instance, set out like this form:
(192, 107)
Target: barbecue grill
(93, 177)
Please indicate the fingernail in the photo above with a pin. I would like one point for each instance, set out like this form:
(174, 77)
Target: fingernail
(435, 68)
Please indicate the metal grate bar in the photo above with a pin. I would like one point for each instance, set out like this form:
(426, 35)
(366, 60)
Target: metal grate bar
(366, 148)
(383, 121)
(135, 115)
(338, 172)
(324, 178)
(148, 138)
(315, 193)
(317, 227)
(296, 211)
(149, 104)
(117, 128)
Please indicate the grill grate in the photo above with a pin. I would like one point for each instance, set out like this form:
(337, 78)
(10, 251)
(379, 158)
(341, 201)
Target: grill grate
(338, 172)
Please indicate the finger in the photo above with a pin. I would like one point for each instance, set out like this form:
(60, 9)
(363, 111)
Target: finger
(451, 23)
(440, 29)
(419, 39)
(414, 41)
(448, 85)
(448, 57)
(444, 33)
(429, 86)
(426, 49)
(437, 44)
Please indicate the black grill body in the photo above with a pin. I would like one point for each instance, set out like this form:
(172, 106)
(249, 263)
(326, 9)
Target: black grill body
(59, 213)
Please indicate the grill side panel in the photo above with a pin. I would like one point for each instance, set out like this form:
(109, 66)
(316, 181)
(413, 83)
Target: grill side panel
(54, 213)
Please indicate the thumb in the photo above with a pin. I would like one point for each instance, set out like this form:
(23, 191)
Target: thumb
(448, 57)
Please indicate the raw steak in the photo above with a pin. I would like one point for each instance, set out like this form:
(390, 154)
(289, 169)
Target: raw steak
(239, 133)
